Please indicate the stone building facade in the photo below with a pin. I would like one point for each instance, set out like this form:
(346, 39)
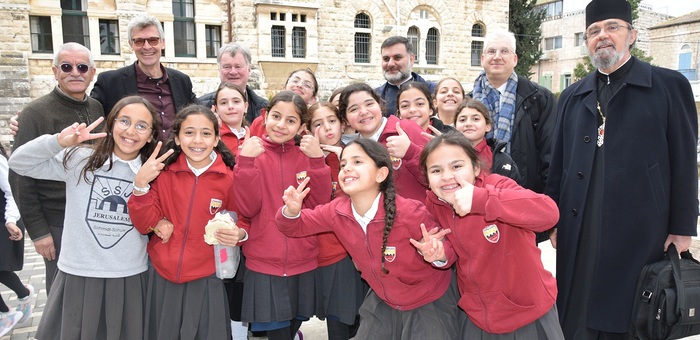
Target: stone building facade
(676, 45)
(338, 39)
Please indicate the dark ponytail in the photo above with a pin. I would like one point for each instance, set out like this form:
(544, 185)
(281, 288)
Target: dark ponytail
(381, 158)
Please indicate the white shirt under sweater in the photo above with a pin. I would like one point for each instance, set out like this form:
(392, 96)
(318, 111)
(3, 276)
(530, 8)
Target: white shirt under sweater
(98, 237)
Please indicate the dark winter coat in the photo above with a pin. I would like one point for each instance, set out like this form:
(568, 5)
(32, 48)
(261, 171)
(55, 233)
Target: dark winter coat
(530, 145)
(649, 185)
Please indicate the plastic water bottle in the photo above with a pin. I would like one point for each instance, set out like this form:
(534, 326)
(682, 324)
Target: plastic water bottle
(226, 258)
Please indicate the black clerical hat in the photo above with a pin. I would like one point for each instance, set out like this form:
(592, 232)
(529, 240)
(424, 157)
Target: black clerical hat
(598, 10)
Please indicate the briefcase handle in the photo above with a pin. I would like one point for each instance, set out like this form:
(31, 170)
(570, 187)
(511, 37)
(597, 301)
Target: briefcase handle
(673, 256)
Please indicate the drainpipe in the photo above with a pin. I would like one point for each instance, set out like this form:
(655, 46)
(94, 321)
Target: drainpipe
(230, 23)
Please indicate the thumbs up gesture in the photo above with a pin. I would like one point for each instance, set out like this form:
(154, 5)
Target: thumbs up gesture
(78, 133)
(462, 199)
(310, 145)
(398, 145)
(152, 167)
(252, 146)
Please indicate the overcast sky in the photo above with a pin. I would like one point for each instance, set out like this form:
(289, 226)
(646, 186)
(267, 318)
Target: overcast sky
(674, 7)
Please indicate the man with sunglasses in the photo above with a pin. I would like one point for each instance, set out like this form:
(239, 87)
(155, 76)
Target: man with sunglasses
(167, 89)
(42, 202)
(623, 173)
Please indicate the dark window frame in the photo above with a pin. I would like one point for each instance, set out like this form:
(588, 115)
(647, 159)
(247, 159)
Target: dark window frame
(278, 43)
(432, 46)
(298, 42)
(183, 25)
(213, 39)
(109, 37)
(42, 41)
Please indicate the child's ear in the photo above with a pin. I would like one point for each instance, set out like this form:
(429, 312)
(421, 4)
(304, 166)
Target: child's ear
(382, 174)
(488, 128)
(301, 130)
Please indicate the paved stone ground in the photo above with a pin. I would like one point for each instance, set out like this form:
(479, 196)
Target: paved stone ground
(314, 329)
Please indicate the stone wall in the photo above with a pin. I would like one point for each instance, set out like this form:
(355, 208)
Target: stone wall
(25, 76)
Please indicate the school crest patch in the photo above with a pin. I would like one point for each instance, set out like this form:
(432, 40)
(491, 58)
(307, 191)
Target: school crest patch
(107, 215)
(214, 205)
(390, 254)
(491, 233)
(301, 176)
(396, 163)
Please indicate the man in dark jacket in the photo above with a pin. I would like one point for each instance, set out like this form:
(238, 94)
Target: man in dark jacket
(234, 62)
(623, 173)
(522, 112)
(397, 61)
(167, 89)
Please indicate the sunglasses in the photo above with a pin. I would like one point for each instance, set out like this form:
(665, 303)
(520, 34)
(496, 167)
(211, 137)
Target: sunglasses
(68, 68)
(153, 41)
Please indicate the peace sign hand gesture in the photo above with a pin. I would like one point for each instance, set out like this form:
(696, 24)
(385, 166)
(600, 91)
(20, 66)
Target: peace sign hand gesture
(78, 133)
(152, 167)
(431, 246)
(293, 198)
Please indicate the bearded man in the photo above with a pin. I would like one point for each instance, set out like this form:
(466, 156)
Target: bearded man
(397, 62)
(623, 173)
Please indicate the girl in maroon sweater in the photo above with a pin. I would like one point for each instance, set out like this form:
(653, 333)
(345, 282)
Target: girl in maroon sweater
(410, 298)
(339, 287)
(361, 108)
(278, 291)
(189, 184)
(231, 105)
(505, 290)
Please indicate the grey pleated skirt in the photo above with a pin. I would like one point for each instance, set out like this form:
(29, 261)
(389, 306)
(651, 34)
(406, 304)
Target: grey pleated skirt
(436, 320)
(545, 328)
(192, 310)
(339, 291)
(272, 299)
(94, 308)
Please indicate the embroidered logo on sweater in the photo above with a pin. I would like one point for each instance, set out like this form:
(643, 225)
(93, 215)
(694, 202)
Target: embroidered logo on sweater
(491, 233)
(107, 215)
(396, 163)
(301, 176)
(214, 205)
(390, 254)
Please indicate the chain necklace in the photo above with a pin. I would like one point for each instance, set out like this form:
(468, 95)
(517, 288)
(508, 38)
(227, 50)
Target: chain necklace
(601, 128)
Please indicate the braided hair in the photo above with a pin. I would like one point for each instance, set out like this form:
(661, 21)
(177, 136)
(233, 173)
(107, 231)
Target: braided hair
(380, 156)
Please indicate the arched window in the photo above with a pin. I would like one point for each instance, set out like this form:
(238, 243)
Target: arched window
(477, 44)
(432, 46)
(363, 37)
(685, 62)
(413, 36)
(477, 31)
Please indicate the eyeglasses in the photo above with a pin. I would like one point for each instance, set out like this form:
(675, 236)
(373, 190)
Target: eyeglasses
(491, 52)
(296, 81)
(610, 28)
(124, 123)
(68, 68)
(153, 41)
